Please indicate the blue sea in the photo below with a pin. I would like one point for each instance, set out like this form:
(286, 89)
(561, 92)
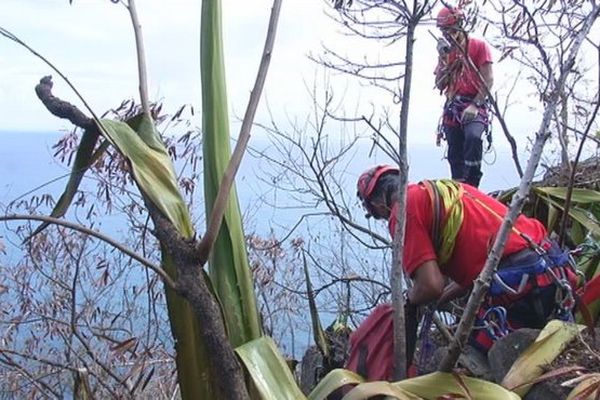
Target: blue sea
(28, 168)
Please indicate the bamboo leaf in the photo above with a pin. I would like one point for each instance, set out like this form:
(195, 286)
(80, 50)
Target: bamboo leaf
(551, 341)
(228, 266)
(268, 370)
(439, 384)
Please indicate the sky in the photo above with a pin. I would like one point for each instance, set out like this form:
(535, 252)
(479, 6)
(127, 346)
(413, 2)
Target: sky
(92, 43)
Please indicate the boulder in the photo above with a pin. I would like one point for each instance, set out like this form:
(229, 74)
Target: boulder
(506, 350)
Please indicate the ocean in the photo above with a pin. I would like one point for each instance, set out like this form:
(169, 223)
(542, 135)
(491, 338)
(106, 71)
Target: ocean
(276, 204)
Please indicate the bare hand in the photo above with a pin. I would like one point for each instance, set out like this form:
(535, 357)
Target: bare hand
(469, 113)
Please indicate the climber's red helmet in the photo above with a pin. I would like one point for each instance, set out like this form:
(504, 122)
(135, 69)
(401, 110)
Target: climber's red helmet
(367, 182)
(449, 17)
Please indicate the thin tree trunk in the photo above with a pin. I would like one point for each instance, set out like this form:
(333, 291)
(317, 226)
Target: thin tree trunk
(397, 275)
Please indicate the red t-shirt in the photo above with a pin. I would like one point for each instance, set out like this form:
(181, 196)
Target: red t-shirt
(473, 241)
(468, 82)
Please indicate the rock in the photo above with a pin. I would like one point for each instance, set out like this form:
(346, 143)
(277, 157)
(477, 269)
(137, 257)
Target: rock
(311, 369)
(475, 362)
(549, 390)
(506, 350)
(471, 359)
(432, 363)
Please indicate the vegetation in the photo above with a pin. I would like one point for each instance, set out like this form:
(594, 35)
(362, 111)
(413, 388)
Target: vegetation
(217, 310)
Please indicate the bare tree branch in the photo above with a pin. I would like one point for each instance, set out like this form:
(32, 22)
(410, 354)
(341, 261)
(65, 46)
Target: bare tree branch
(145, 262)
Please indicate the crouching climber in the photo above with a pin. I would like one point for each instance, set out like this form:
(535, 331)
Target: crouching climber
(450, 228)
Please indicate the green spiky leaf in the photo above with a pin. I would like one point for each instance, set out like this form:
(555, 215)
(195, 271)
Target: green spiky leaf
(268, 370)
(228, 266)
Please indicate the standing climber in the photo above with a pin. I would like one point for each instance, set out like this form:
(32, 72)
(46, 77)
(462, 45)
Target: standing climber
(463, 73)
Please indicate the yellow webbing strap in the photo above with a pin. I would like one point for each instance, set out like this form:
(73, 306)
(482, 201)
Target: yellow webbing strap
(449, 193)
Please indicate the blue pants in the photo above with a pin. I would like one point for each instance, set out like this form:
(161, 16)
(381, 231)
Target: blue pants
(465, 151)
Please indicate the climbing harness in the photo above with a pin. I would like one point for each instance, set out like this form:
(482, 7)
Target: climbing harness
(552, 266)
(535, 268)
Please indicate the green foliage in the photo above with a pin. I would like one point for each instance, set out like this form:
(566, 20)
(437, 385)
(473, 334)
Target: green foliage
(228, 266)
(269, 372)
(548, 203)
(152, 168)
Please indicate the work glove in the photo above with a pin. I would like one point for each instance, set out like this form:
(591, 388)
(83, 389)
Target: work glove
(443, 47)
(469, 113)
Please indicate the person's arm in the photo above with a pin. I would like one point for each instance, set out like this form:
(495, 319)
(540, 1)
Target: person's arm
(487, 75)
(452, 291)
(428, 284)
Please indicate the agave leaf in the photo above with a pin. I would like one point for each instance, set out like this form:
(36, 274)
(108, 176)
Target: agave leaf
(318, 333)
(589, 306)
(553, 213)
(196, 379)
(578, 195)
(334, 380)
(557, 373)
(587, 220)
(151, 166)
(228, 265)
(584, 217)
(84, 158)
(551, 341)
(439, 384)
(269, 371)
(578, 232)
(587, 389)
(380, 388)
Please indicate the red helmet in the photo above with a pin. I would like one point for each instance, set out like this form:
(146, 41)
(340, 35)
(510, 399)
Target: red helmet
(448, 17)
(367, 182)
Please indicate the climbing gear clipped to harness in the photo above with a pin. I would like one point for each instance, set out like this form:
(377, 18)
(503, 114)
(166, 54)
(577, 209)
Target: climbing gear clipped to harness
(488, 126)
(490, 325)
(495, 322)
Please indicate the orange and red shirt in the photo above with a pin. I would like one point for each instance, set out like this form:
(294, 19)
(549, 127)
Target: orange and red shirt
(468, 83)
(475, 236)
